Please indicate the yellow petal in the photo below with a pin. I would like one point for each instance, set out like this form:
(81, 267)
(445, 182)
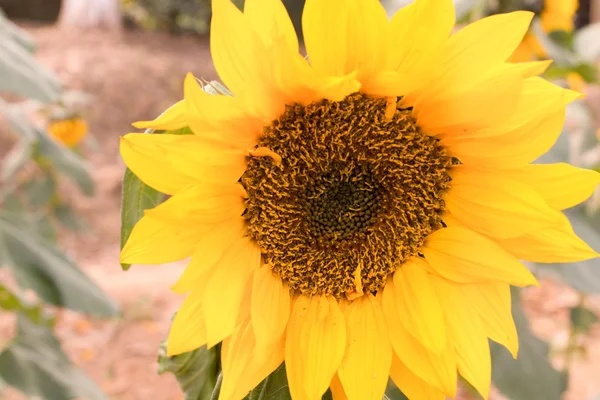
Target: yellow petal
(492, 302)
(464, 256)
(467, 53)
(173, 118)
(496, 205)
(202, 205)
(468, 335)
(422, 28)
(155, 241)
(343, 36)
(473, 108)
(209, 250)
(418, 306)
(413, 387)
(245, 366)
(561, 185)
(225, 289)
(365, 369)
(218, 117)
(438, 370)
(270, 21)
(337, 390)
(235, 47)
(558, 244)
(270, 307)
(315, 345)
(188, 331)
(168, 163)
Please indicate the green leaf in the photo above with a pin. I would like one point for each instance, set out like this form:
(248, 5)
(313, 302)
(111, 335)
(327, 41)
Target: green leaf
(22, 74)
(393, 393)
(35, 364)
(40, 190)
(38, 265)
(67, 218)
(65, 161)
(11, 31)
(582, 319)
(137, 196)
(16, 160)
(583, 276)
(530, 376)
(274, 387)
(196, 371)
(11, 302)
(587, 45)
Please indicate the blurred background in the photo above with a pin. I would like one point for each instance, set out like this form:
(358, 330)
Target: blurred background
(74, 74)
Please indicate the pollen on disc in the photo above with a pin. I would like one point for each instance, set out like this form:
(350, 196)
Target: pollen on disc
(358, 188)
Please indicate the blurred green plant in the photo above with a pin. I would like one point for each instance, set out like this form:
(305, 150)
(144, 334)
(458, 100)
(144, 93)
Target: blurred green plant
(31, 207)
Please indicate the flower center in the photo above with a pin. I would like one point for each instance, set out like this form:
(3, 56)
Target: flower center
(355, 193)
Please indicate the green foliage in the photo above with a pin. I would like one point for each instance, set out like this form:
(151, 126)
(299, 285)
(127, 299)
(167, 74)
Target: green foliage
(20, 73)
(30, 209)
(530, 376)
(196, 371)
(40, 266)
(35, 363)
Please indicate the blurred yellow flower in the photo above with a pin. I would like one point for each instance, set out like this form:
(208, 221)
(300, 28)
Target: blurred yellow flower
(68, 131)
(358, 213)
(576, 82)
(529, 49)
(559, 15)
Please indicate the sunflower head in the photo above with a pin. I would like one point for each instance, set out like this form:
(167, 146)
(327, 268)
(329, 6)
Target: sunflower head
(358, 213)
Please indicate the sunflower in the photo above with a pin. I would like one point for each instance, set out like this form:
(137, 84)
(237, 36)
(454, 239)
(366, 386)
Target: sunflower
(68, 131)
(358, 213)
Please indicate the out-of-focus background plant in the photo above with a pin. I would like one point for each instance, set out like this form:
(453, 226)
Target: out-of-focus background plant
(43, 280)
(75, 73)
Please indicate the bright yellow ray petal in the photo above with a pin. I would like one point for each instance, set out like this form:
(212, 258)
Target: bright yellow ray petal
(170, 162)
(422, 28)
(418, 306)
(238, 53)
(464, 256)
(324, 27)
(490, 102)
(245, 366)
(225, 289)
(270, 307)
(173, 118)
(411, 385)
(469, 55)
(365, 369)
(561, 185)
(438, 370)
(218, 117)
(492, 302)
(343, 36)
(188, 331)
(337, 390)
(315, 345)
(496, 205)
(209, 250)
(235, 47)
(468, 335)
(558, 244)
(155, 241)
(270, 20)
